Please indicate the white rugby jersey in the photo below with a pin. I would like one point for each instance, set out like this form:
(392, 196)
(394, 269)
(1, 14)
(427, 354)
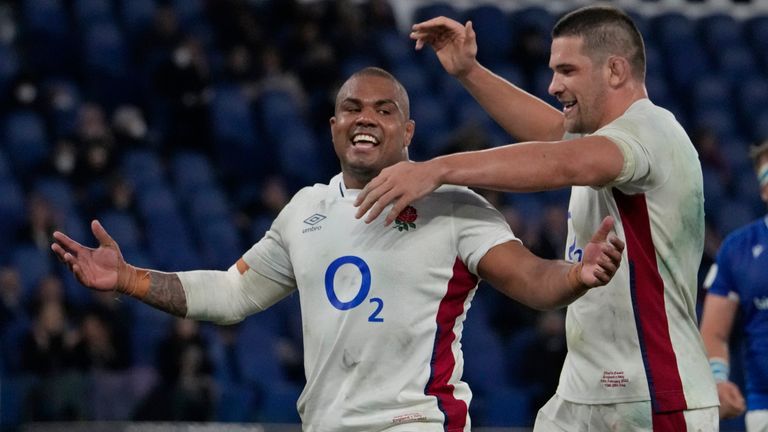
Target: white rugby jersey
(637, 338)
(382, 306)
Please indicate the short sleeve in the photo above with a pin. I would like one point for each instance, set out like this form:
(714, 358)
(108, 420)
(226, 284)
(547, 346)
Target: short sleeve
(270, 256)
(719, 280)
(479, 227)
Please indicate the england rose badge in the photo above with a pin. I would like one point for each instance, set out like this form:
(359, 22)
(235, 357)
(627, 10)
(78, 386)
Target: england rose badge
(405, 220)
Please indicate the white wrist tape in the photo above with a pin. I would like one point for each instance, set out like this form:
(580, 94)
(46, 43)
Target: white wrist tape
(720, 369)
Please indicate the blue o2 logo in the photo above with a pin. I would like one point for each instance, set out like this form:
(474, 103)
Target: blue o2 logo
(362, 293)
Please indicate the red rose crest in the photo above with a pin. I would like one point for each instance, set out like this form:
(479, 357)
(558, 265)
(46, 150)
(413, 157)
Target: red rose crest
(405, 220)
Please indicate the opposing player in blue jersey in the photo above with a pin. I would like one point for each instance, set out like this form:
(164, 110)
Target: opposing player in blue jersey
(382, 307)
(738, 281)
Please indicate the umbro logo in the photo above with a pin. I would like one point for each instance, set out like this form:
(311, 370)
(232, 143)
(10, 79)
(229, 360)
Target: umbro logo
(312, 221)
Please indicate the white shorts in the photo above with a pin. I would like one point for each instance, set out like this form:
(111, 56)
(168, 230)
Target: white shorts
(756, 421)
(560, 415)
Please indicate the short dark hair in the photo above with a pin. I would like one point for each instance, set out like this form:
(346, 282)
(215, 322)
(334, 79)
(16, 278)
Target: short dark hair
(606, 31)
(381, 73)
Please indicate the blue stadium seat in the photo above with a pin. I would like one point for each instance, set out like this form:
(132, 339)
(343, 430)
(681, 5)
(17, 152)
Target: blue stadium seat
(495, 37)
(299, 155)
(737, 64)
(58, 192)
(732, 214)
(123, 227)
(394, 47)
(711, 90)
(434, 10)
(208, 205)
(63, 111)
(720, 32)
(6, 171)
(236, 138)
(220, 244)
(484, 365)
(89, 12)
(143, 170)
(48, 35)
(9, 66)
(257, 352)
(12, 210)
(535, 19)
(104, 49)
(280, 404)
(33, 265)
(191, 171)
(137, 16)
(413, 79)
(508, 407)
(717, 118)
(432, 126)
(25, 141)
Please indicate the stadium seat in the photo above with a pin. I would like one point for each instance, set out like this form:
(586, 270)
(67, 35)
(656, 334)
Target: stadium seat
(89, 12)
(122, 226)
(394, 47)
(192, 171)
(57, 192)
(9, 66)
(33, 265)
(733, 214)
(432, 127)
(508, 407)
(280, 404)
(137, 16)
(220, 244)
(48, 36)
(26, 141)
(433, 10)
(143, 170)
(495, 37)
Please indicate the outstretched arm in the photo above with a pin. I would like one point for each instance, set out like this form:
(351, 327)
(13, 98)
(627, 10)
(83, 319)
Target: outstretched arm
(104, 269)
(525, 167)
(520, 113)
(548, 284)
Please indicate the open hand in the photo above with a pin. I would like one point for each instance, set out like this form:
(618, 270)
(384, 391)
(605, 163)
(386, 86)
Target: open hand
(95, 268)
(602, 255)
(454, 44)
(400, 184)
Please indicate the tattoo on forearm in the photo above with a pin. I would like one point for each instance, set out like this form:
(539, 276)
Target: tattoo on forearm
(166, 293)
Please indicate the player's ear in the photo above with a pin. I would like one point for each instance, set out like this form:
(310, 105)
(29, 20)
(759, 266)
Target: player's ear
(618, 70)
(410, 128)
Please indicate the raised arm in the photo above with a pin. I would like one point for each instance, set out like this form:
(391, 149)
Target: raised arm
(520, 113)
(549, 284)
(104, 269)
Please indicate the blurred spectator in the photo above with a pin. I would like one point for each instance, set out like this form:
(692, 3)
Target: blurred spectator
(185, 391)
(183, 80)
(11, 308)
(42, 220)
(97, 347)
(47, 353)
(130, 128)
